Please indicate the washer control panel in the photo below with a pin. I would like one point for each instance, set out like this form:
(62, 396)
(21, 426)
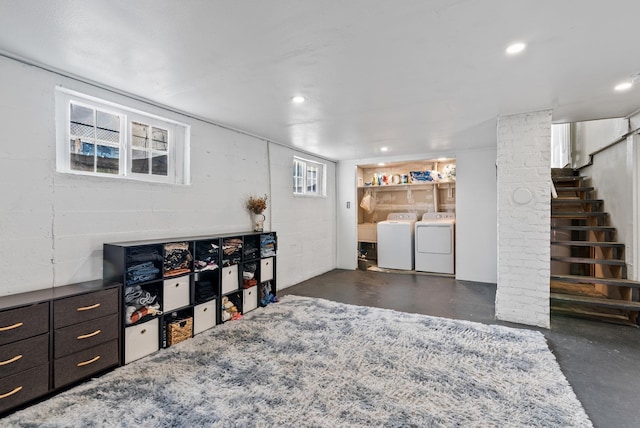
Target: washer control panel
(438, 216)
(402, 216)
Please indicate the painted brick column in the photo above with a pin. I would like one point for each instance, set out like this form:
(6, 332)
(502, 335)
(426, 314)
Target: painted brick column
(524, 217)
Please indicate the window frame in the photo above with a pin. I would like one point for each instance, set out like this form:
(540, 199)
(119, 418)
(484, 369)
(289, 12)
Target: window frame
(178, 139)
(95, 140)
(304, 181)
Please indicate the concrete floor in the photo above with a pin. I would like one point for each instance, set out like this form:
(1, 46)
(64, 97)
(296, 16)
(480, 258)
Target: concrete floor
(600, 360)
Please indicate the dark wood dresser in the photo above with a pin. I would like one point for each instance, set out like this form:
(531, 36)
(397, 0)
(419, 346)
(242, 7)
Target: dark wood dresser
(56, 337)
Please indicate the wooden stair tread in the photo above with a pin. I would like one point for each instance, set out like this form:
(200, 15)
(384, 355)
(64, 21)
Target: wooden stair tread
(575, 188)
(588, 244)
(578, 279)
(579, 213)
(586, 260)
(575, 289)
(584, 228)
(595, 301)
(565, 170)
(567, 178)
(575, 201)
(584, 312)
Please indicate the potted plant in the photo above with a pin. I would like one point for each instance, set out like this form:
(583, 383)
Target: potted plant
(256, 206)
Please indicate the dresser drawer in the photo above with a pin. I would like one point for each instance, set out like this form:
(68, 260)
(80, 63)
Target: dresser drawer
(85, 335)
(266, 269)
(230, 279)
(21, 323)
(84, 363)
(204, 316)
(23, 355)
(141, 340)
(85, 307)
(175, 293)
(22, 387)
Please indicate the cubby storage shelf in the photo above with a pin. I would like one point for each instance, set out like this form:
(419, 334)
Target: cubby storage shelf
(219, 277)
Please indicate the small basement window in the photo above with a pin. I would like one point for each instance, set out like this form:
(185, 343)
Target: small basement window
(104, 139)
(308, 177)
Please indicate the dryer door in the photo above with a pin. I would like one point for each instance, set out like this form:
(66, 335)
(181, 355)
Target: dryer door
(434, 239)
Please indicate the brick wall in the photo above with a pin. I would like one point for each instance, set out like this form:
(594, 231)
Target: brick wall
(524, 182)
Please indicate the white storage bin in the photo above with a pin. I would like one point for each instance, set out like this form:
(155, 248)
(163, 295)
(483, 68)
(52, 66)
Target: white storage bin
(230, 279)
(204, 316)
(266, 269)
(141, 340)
(250, 299)
(176, 293)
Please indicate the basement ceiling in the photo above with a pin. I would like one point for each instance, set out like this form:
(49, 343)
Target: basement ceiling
(415, 76)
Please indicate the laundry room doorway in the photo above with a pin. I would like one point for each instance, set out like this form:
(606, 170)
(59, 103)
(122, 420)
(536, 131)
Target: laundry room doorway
(387, 190)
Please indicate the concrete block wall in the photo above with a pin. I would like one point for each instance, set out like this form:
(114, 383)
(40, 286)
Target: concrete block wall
(53, 225)
(306, 225)
(524, 216)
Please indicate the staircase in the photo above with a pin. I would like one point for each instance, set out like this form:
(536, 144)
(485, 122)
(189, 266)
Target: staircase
(588, 271)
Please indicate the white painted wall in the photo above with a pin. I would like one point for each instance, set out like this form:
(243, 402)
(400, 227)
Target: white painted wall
(633, 230)
(476, 215)
(53, 225)
(347, 215)
(524, 214)
(475, 211)
(590, 136)
(611, 176)
(612, 173)
(306, 225)
(634, 121)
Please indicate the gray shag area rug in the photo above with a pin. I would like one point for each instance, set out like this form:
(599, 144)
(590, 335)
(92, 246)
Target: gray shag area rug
(313, 362)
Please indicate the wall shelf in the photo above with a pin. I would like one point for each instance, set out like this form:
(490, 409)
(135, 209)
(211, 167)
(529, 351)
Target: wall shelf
(392, 187)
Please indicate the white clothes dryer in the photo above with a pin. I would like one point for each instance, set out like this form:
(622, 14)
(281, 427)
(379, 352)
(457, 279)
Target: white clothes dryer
(395, 241)
(435, 243)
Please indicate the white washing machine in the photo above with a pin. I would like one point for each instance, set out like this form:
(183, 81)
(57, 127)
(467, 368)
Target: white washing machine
(435, 243)
(395, 241)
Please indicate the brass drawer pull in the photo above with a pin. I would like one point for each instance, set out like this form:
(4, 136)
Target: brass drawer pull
(86, 308)
(11, 327)
(10, 393)
(11, 360)
(86, 336)
(84, 363)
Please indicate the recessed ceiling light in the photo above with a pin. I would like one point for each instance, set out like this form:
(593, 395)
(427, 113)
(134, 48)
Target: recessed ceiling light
(381, 164)
(298, 99)
(623, 86)
(515, 48)
(384, 149)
